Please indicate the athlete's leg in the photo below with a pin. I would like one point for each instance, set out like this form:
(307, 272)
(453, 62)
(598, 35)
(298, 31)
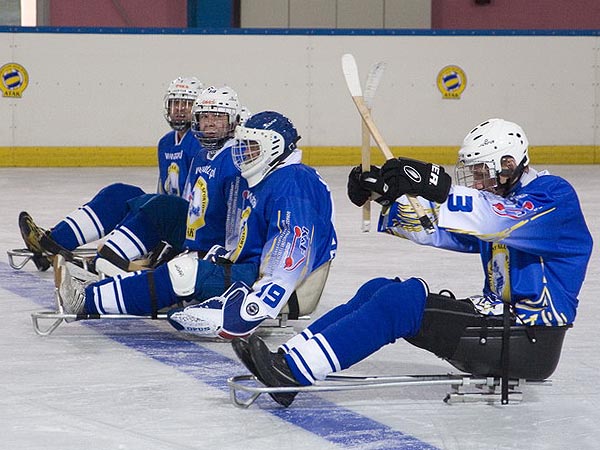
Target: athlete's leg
(394, 310)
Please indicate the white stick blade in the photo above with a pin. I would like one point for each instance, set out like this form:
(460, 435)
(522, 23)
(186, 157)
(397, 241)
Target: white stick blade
(372, 82)
(351, 74)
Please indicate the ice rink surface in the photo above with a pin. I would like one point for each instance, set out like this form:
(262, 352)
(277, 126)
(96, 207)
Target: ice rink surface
(141, 385)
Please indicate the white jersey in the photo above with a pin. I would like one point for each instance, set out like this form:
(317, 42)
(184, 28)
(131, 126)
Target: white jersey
(534, 244)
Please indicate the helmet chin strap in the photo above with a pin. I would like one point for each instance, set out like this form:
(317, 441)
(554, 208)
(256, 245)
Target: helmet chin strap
(181, 127)
(512, 177)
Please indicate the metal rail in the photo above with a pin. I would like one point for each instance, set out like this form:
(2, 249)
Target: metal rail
(459, 383)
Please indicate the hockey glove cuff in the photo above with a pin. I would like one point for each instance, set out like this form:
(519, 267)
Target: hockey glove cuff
(409, 176)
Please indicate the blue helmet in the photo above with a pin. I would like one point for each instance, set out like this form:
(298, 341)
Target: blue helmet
(266, 139)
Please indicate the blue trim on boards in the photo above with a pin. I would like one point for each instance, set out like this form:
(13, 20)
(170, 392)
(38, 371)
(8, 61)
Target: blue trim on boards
(298, 31)
(311, 412)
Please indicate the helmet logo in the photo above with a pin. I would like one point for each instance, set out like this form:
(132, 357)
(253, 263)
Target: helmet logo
(267, 125)
(486, 142)
(412, 173)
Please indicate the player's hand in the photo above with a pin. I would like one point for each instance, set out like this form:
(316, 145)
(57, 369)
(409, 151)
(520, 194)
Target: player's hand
(362, 185)
(356, 192)
(409, 176)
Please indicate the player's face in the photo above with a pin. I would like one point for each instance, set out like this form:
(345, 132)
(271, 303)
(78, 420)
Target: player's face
(481, 177)
(180, 110)
(509, 165)
(214, 124)
(251, 151)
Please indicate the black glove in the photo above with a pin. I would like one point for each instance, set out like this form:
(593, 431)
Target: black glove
(409, 176)
(361, 184)
(356, 192)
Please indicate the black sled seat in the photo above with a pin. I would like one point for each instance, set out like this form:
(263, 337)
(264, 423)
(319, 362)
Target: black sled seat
(534, 351)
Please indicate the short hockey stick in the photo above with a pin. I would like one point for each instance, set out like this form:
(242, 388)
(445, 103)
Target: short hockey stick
(352, 81)
(373, 80)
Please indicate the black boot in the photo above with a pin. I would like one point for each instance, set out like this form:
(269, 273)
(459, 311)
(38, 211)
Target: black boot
(31, 234)
(241, 347)
(272, 370)
(38, 240)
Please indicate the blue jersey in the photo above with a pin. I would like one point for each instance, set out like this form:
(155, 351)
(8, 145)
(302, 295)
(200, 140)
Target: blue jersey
(174, 159)
(534, 244)
(212, 189)
(287, 228)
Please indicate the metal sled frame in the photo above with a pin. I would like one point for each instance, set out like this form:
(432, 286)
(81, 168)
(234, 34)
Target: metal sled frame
(271, 327)
(19, 257)
(535, 355)
(245, 389)
(59, 316)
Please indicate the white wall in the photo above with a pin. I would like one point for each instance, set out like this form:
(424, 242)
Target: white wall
(106, 90)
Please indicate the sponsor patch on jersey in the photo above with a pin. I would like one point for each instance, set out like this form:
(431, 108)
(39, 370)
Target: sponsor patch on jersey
(197, 208)
(249, 197)
(512, 212)
(297, 251)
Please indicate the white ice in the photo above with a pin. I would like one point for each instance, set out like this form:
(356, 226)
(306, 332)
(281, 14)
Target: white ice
(141, 385)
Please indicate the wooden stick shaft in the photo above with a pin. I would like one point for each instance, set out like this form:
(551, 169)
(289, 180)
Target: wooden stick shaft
(368, 121)
(366, 166)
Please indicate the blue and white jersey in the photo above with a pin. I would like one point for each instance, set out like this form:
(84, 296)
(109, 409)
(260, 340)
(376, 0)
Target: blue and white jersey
(213, 187)
(287, 227)
(534, 244)
(174, 159)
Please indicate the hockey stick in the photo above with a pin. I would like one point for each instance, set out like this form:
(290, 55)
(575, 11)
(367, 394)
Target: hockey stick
(373, 80)
(352, 81)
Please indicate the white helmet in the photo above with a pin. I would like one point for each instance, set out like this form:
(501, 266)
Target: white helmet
(244, 114)
(223, 100)
(262, 144)
(179, 100)
(484, 148)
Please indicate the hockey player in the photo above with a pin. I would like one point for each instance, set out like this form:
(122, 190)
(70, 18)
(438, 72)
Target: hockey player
(284, 238)
(213, 182)
(526, 225)
(177, 149)
(95, 219)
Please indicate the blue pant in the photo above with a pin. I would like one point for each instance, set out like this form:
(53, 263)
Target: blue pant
(380, 312)
(160, 218)
(151, 290)
(110, 206)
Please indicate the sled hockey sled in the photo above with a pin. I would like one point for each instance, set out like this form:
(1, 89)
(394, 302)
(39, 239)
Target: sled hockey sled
(299, 307)
(533, 355)
(19, 257)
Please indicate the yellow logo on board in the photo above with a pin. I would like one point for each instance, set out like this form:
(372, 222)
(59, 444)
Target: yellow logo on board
(451, 82)
(13, 80)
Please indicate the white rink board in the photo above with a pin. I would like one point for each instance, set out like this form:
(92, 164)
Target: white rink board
(107, 89)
